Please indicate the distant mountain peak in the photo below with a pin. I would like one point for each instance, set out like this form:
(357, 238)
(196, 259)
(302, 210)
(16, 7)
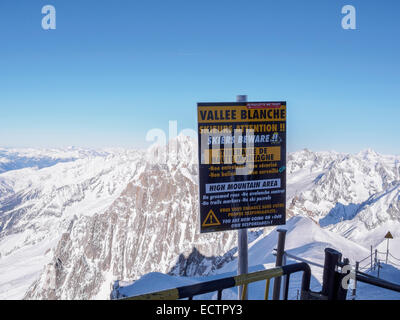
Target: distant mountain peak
(368, 153)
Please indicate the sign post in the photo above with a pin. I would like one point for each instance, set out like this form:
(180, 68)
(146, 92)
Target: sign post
(242, 168)
(243, 247)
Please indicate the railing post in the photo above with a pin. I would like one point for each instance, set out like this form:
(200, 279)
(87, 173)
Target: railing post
(279, 258)
(354, 293)
(379, 267)
(332, 257)
(376, 258)
(387, 251)
(371, 257)
(285, 278)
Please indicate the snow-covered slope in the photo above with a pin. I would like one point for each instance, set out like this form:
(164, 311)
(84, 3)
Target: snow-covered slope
(69, 230)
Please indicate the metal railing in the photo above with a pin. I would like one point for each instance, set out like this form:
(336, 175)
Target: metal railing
(360, 276)
(366, 278)
(376, 257)
(230, 282)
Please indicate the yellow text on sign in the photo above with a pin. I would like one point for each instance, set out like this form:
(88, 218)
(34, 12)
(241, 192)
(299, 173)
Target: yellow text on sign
(228, 114)
(242, 155)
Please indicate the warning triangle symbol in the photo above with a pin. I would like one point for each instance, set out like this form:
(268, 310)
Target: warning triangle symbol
(211, 220)
(388, 235)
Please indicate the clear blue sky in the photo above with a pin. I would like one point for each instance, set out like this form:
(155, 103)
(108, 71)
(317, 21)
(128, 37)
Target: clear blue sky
(112, 70)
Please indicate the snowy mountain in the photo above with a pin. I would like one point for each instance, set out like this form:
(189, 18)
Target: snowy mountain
(68, 230)
(38, 205)
(354, 195)
(14, 159)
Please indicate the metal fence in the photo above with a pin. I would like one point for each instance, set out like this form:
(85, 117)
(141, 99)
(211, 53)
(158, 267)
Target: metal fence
(230, 282)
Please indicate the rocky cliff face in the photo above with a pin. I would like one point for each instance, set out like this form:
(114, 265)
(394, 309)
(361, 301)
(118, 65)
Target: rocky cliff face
(153, 221)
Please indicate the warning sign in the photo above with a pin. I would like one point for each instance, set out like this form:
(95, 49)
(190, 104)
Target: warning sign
(388, 235)
(211, 220)
(242, 165)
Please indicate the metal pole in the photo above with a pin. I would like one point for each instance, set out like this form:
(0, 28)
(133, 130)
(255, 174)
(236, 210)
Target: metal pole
(332, 257)
(355, 281)
(285, 278)
(376, 258)
(379, 267)
(371, 257)
(387, 251)
(243, 263)
(279, 258)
